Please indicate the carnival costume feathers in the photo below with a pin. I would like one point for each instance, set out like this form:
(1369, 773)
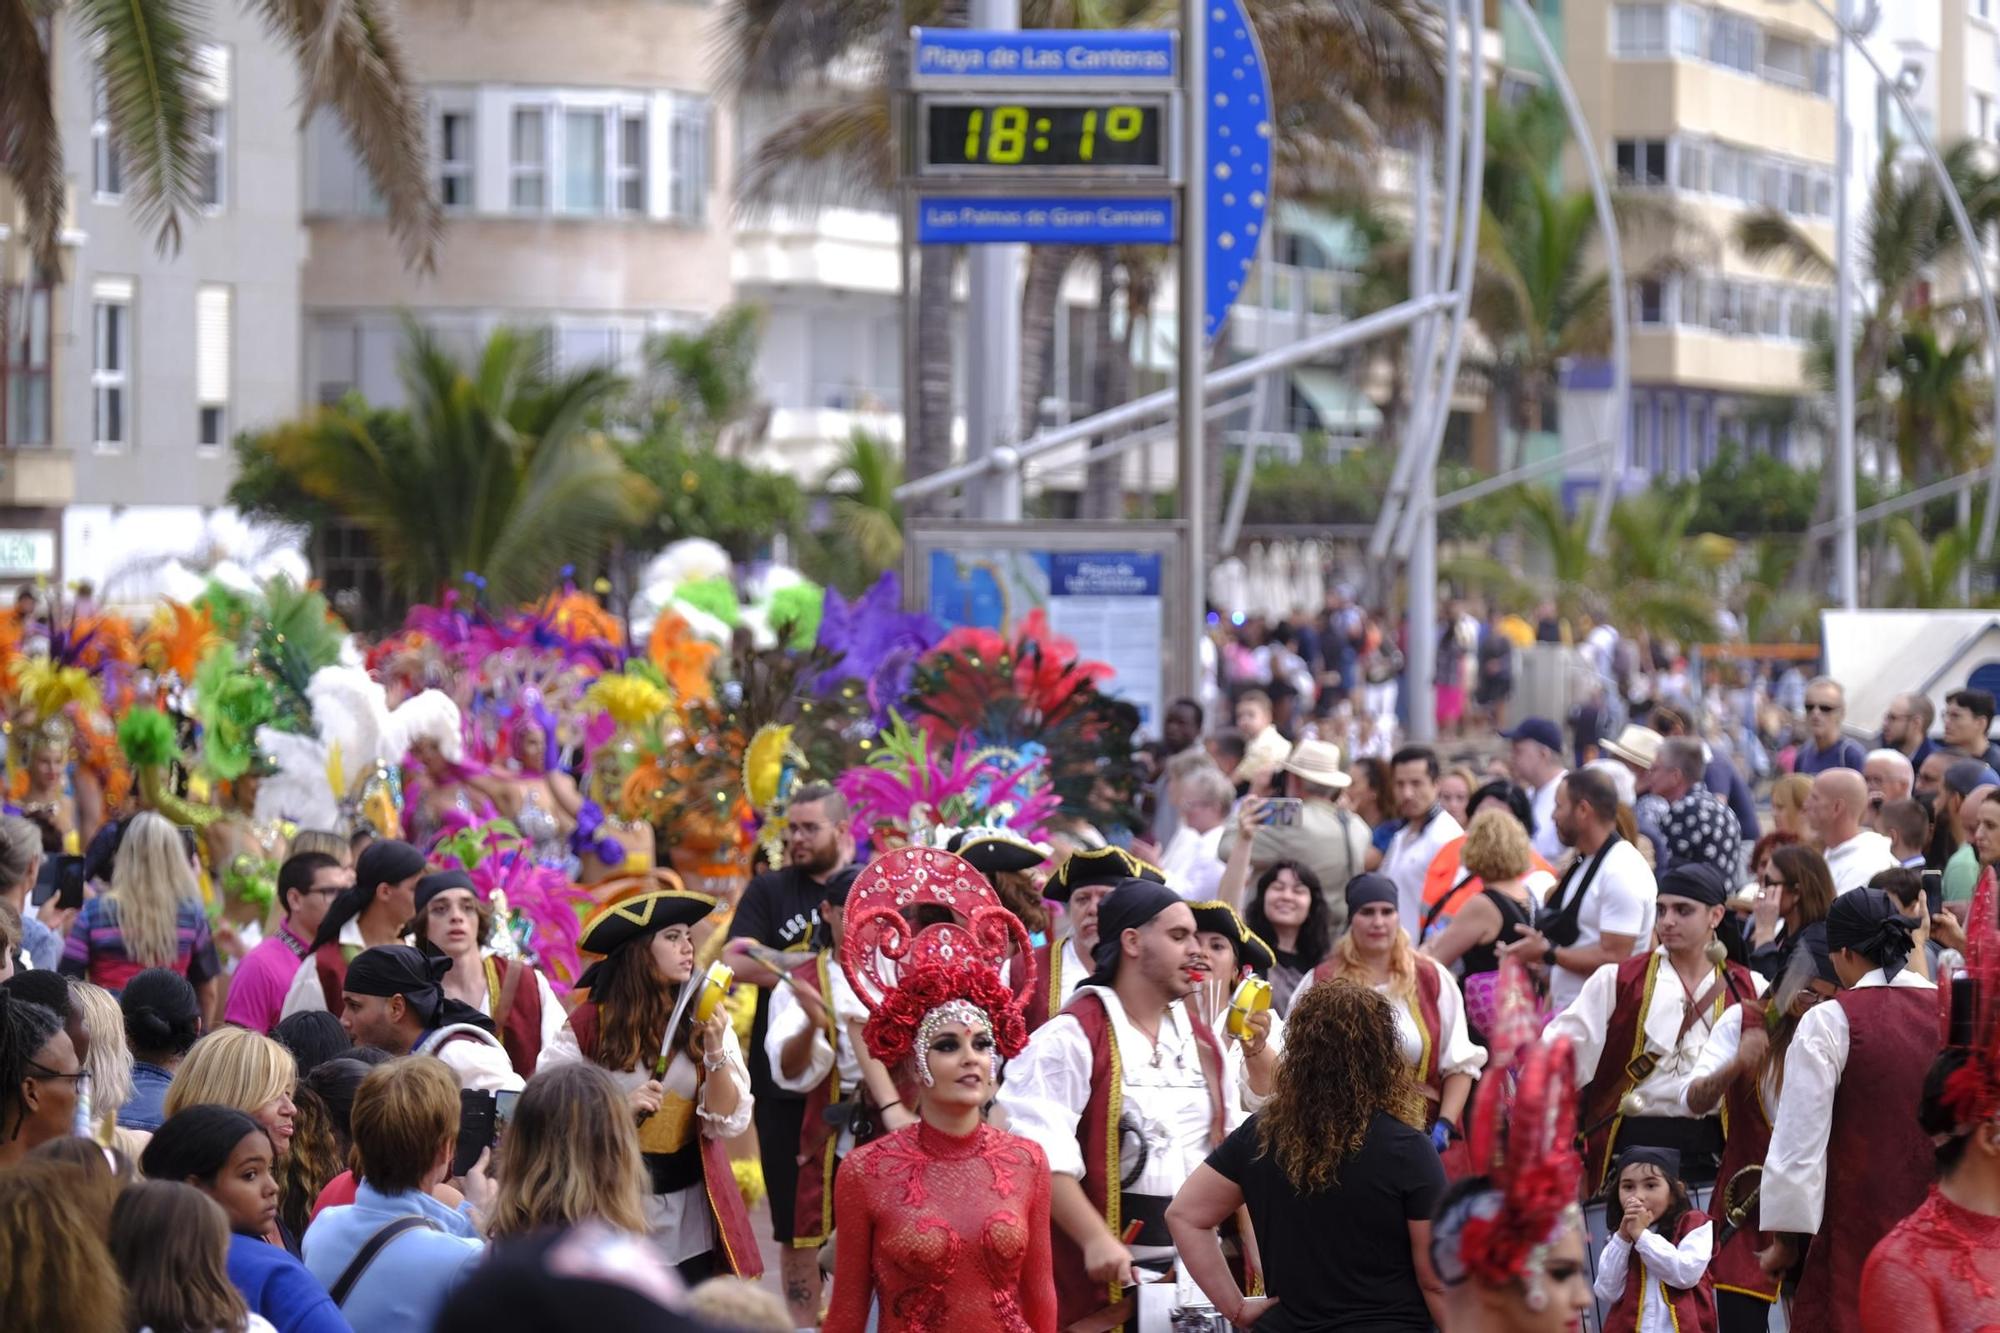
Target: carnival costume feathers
(343, 774)
(905, 791)
(874, 642)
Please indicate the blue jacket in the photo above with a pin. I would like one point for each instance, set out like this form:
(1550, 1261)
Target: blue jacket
(146, 1108)
(406, 1286)
(278, 1287)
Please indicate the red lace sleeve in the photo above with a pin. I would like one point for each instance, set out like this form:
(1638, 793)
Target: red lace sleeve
(1038, 1270)
(853, 1251)
(1937, 1271)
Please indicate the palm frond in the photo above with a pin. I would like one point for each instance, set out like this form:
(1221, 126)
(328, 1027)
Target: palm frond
(30, 140)
(353, 60)
(838, 150)
(1771, 236)
(146, 59)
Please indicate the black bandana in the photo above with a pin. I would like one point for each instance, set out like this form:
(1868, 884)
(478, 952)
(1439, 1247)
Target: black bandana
(1128, 907)
(1668, 1160)
(1697, 880)
(1367, 889)
(1872, 924)
(397, 969)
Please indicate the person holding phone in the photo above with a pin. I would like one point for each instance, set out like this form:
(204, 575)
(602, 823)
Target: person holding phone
(688, 1087)
(1330, 840)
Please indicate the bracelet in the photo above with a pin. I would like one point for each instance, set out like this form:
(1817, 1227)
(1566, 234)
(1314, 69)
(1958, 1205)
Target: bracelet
(1549, 956)
(711, 1065)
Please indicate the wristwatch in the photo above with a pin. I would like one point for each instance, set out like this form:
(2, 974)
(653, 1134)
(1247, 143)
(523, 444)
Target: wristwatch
(1549, 955)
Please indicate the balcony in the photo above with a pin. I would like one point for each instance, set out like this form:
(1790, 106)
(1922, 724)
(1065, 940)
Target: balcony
(32, 477)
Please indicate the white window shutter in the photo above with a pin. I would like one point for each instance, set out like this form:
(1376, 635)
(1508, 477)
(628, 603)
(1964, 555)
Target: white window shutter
(212, 338)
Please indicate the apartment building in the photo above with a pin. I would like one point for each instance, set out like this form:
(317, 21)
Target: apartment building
(575, 151)
(1724, 109)
(125, 378)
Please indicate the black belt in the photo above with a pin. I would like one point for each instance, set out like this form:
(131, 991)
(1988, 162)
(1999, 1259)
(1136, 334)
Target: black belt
(671, 1172)
(1699, 1142)
(1150, 1211)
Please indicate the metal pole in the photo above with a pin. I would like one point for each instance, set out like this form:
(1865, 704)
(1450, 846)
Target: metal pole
(1420, 576)
(1193, 350)
(1846, 558)
(993, 340)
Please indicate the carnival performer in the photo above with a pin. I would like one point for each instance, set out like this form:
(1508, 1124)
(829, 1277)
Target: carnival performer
(945, 1222)
(1637, 1029)
(1128, 1092)
(689, 1087)
(1654, 1268)
(1849, 1157)
(1430, 1014)
(1508, 1242)
(1233, 953)
(1743, 1070)
(815, 1049)
(51, 793)
(245, 853)
(394, 999)
(518, 999)
(1080, 884)
(1938, 1270)
(373, 912)
(540, 798)
(1009, 862)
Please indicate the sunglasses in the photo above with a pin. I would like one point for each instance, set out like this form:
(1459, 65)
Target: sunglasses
(1822, 708)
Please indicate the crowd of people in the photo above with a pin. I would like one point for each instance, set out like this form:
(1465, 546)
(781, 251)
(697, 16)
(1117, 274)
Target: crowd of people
(594, 984)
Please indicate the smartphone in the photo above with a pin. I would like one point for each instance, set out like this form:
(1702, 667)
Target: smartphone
(476, 1116)
(69, 882)
(1933, 881)
(1281, 811)
(503, 1109)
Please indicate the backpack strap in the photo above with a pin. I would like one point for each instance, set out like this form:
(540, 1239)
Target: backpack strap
(343, 1286)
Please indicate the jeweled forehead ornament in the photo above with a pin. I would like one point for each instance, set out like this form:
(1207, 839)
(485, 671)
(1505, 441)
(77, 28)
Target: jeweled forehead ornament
(952, 1011)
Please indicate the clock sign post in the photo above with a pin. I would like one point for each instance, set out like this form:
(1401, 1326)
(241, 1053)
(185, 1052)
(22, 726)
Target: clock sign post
(1090, 138)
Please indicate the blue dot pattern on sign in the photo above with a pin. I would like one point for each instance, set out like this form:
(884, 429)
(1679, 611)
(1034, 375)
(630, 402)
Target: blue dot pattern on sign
(1239, 155)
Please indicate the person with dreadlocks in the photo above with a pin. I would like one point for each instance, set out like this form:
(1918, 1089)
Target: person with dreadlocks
(1848, 1157)
(40, 1077)
(945, 1221)
(1938, 1270)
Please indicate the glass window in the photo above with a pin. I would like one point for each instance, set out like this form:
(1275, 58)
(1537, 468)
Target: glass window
(1690, 31)
(1798, 194)
(583, 157)
(1691, 171)
(111, 365)
(632, 162)
(528, 152)
(1787, 62)
(454, 149)
(211, 124)
(212, 357)
(24, 365)
(1727, 177)
(107, 166)
(1639, 32)
(1642, 161)
(1732, 41)
(689, 159)
(1650, 308)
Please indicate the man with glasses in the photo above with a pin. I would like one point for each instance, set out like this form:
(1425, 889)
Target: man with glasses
(1906, 728)
(1826, 747)
(1968, 722)
(307, 885)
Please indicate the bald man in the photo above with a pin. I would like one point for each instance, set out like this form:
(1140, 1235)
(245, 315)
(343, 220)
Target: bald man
(1889, 777)
(1834, 809)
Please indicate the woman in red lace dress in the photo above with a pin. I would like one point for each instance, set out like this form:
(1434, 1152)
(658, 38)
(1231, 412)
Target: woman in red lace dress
(1938, 1270)
(946, 1221)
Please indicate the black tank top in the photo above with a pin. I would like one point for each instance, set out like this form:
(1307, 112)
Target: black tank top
(1486, 957)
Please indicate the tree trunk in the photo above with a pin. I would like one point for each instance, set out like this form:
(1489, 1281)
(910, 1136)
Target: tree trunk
(1041, 306)
(1103, 481)
(930, 451)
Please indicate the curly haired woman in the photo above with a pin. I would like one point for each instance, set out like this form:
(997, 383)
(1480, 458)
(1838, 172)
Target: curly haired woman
(1340, 1191)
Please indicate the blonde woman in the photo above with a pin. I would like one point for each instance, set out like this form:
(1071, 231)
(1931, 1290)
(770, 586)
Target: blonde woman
(109, 1063)
(1788, 805)
(152, 916)
(1498, 854)
(570, 1155)
(1430, 1013)
(249, 1072)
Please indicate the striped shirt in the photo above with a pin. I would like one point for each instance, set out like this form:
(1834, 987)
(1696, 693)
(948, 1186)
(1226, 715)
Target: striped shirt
(95, 949)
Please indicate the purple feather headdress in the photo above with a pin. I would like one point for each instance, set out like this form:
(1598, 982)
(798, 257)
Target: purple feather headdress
(876, 642)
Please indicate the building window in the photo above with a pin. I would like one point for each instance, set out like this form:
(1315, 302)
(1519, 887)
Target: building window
(1732, 41)
(1642, 161)
(1690, 31)
(107, 166)
(1651, 305)
(211, 124)
(212, 355)
(24, 366)
(1788, 62)
(1982, 116)
(631, 170)
(584, 157)
(689, 159)
(111, 362)
(1639, 32)
(454, 149)
(528, 160)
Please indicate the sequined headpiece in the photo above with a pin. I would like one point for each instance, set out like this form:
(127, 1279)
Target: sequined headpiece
(915, 979)
(1523, 1141)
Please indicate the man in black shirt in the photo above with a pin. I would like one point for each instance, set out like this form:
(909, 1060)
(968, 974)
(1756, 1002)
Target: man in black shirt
(780, 909)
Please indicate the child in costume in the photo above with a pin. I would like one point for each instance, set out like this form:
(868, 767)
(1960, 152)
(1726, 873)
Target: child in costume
(1655, 1265)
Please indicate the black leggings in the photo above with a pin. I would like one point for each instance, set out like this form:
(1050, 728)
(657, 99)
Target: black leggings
(1737, 1313)
(697, 1270)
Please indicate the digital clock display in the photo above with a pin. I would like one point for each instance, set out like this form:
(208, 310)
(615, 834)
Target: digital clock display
(1126, 137)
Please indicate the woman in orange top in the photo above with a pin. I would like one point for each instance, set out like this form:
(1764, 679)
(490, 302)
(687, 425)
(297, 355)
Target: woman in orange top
(1448, 884)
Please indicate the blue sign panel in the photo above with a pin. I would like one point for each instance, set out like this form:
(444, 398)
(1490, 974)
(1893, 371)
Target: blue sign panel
(961, 56)
(1237, 122)
(1051, 220)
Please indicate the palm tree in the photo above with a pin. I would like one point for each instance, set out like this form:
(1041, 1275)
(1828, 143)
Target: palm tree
(1928, 572)
(867, 516)
(348, 52)
(492, 470)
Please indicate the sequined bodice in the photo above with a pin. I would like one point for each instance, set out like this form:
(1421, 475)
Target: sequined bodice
(1938, 1271)
(540, 827)
(950, 1233)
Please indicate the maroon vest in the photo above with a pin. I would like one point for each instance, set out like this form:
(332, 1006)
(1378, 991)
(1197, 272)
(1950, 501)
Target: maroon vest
(1621, 1066)
(1097, 1132)
(1040, 1001)
(1430, 1026)
(819, 1142)
(1693, 1307)
(1746, 1130)
(1878, 1162)
(521, 1026)
(330, 960)
(733, 1236)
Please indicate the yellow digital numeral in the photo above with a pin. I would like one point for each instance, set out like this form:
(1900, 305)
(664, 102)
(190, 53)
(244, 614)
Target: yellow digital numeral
(1009, 141)
(1123, 124)
(972, 136)
(1089, 146)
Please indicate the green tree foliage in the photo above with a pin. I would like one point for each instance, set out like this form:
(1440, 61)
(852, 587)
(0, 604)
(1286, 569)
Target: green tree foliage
(701, 493)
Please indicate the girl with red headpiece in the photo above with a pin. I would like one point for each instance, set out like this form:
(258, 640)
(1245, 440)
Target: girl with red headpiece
(946, 1221)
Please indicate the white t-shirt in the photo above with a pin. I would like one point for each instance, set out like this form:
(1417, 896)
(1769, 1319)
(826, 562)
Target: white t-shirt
(1861, 858)
(1620, 901)
(1408, 860)
(1191, 864)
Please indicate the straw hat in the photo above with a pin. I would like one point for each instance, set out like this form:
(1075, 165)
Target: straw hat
(1317, 762)
(1636, 745)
